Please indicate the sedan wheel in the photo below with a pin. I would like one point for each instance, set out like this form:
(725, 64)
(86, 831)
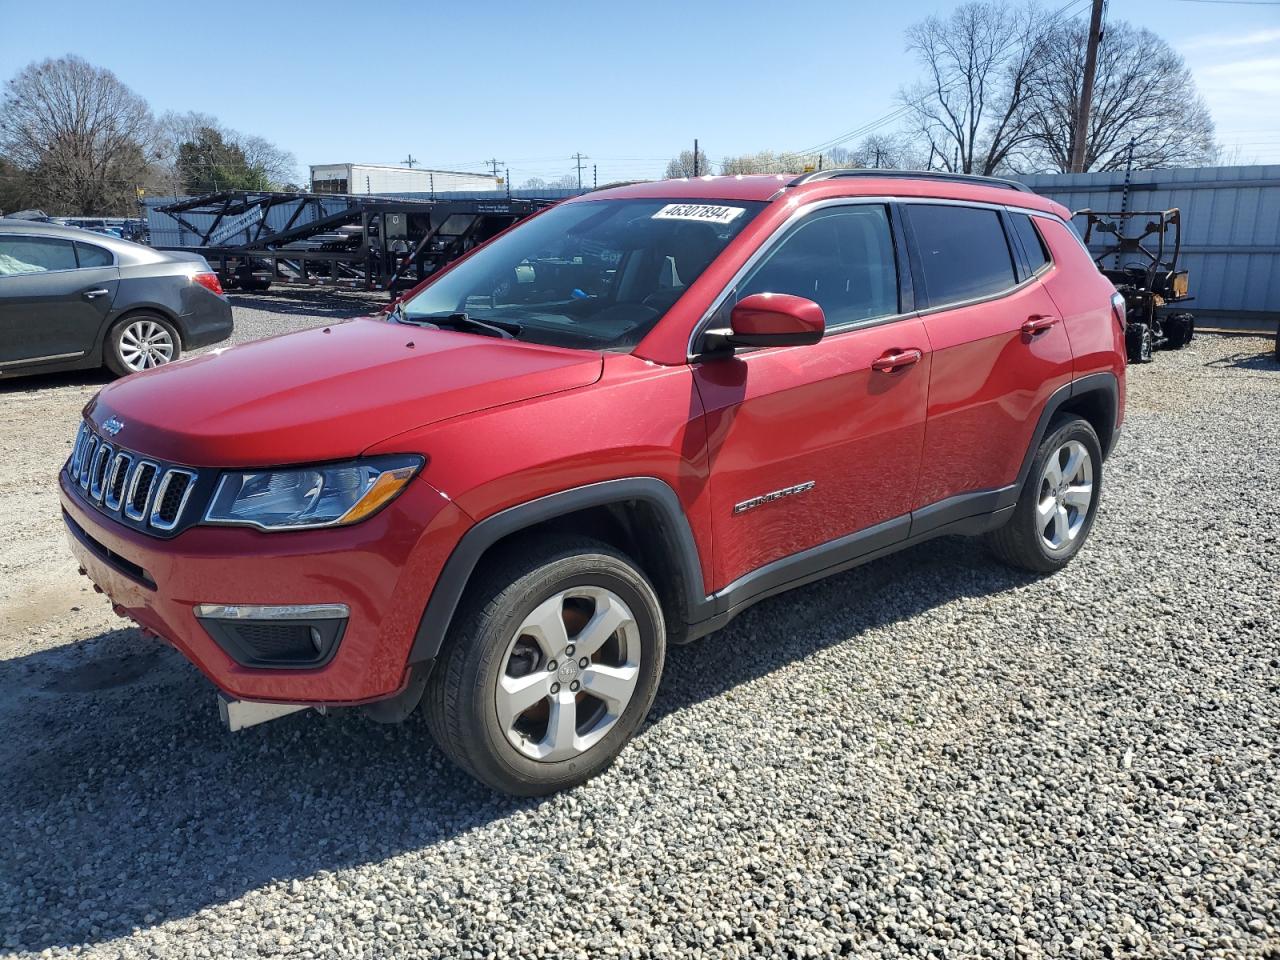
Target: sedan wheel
(145, 344)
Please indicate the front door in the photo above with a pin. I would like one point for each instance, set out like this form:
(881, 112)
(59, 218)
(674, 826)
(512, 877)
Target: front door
(812, 444)
(51, 310)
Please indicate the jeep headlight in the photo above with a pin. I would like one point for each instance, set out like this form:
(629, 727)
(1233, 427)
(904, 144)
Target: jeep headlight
(297, 498)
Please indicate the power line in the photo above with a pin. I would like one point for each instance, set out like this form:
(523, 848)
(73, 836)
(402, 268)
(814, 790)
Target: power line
(1239, 3)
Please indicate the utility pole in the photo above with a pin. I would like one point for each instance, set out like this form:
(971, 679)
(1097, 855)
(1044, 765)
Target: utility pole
(1081, 133)
(695, 156)
(495, 164)
(410, 162)
(579, 157)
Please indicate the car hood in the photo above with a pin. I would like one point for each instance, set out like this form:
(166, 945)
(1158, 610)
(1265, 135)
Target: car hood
(326, 394)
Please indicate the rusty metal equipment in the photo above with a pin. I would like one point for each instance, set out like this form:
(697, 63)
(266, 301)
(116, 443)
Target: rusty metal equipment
(1147, 278)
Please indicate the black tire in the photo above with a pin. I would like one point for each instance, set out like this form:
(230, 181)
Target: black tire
(1179, 329)
(114, 351)
(460, 702)
(1019, 543)
(1139, 342)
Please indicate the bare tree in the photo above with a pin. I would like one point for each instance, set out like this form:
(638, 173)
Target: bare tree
(766, 161)
(278, 165)
(886, 151)
(970, 111)
(1143, 91)
(81, 137)
(683, 165)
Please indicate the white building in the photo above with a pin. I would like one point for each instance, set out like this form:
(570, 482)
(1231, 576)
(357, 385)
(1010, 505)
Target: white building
(374, 178)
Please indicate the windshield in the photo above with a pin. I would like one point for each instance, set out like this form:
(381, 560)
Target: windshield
(595, 274)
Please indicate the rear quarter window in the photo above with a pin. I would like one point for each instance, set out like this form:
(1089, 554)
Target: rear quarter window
(1032, 244)
(90, 255)
(963, 252)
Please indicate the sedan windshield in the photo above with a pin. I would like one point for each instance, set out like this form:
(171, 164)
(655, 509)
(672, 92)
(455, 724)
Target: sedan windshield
(595, 274)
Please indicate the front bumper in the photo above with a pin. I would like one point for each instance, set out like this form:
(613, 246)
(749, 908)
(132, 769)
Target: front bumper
(382, 569)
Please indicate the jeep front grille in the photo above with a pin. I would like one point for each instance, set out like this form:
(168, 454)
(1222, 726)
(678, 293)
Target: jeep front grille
(142, 493)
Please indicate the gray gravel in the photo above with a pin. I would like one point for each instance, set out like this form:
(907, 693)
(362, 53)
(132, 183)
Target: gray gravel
(930, 755)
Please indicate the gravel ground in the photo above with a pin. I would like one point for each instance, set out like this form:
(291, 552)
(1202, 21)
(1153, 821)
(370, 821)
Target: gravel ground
(929, 755)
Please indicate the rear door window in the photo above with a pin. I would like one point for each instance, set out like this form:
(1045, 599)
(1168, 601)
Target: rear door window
(93, 256)
(20, 255)
(963, 252)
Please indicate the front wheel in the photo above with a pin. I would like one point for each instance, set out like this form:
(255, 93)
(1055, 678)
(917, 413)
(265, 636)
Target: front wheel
(141, 341)
(1059, 500)
(550, 668)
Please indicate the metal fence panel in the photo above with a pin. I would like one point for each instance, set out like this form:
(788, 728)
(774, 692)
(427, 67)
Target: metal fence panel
(1230, 227)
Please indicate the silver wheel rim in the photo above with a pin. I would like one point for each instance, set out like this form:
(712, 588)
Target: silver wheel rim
(145, 344)
(568, 673)
(1066, 492)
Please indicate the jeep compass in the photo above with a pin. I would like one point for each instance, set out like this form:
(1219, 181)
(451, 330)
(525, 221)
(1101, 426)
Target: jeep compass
(607, 430)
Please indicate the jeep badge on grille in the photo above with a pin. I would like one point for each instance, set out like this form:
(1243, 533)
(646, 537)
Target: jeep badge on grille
(113, 426)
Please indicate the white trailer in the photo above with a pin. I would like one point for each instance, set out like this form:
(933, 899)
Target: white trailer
(371, 178)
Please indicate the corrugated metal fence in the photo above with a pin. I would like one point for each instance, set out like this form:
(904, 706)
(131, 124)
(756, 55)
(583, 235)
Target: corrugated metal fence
(1230, 229)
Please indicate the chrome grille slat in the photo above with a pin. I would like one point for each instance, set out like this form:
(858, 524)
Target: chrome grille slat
(77, 450)
(151, 471)
(98, 472)
(113, 491)
(157, 504)
(86, 461)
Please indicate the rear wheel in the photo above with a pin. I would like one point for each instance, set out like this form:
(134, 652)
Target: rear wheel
(141, 341)
(1179, 328)
(1139, 342)
(1059, 500)
(549, 669)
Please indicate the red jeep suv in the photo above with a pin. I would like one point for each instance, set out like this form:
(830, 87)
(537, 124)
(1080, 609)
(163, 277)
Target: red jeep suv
(611, 428)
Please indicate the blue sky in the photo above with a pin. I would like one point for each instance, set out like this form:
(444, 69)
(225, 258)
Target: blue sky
(627, 83)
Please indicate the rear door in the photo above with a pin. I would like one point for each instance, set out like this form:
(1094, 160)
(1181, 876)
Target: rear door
(999, 350)
(55, 296)
(812, 444)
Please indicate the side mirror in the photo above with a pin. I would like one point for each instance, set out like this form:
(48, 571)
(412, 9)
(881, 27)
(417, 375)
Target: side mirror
(770, 320)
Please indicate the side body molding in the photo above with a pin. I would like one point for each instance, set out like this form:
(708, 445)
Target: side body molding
(683, 550)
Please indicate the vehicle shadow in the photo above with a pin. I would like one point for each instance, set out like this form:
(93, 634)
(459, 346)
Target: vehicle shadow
(1247, 361)
(128, 805)
(47, 381)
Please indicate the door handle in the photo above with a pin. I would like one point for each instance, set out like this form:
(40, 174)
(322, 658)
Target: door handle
(1038, 323)
(100, 292)
(897, 360)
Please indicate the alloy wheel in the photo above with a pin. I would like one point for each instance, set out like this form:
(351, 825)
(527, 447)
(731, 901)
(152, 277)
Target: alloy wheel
(145, 344)
(1066, 491)
(568, 673)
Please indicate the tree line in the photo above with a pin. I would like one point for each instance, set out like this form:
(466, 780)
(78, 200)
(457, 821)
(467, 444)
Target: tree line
(999, 93)
(74, 139)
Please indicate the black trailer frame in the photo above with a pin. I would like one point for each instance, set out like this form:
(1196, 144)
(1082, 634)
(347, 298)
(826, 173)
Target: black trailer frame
(432, 234)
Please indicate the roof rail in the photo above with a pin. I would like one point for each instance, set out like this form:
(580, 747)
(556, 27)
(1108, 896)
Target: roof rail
(912, 175)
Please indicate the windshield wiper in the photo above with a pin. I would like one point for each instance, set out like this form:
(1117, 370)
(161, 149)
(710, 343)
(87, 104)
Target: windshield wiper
(462, 321)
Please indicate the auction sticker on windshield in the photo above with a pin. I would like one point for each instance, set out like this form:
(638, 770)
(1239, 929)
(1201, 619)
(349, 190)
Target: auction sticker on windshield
(702, 212)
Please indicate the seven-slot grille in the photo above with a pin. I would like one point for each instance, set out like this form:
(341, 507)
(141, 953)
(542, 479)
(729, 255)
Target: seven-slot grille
(151, 495)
